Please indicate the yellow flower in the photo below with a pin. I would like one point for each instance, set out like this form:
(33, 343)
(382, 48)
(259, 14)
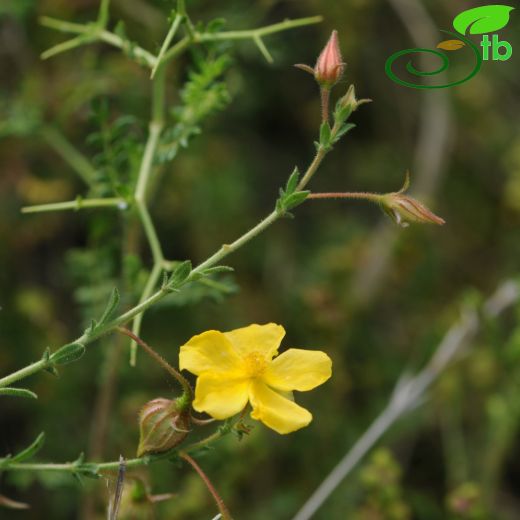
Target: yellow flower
(238, 366)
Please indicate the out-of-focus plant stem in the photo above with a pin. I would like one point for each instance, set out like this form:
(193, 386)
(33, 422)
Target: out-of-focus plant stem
(69, 153)
(411, 390)
(77, 204)
(145, 171)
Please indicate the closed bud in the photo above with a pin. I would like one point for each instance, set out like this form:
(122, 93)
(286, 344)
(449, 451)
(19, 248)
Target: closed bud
(329, 67)
(349, 102)
(404, 209)
(163, 425)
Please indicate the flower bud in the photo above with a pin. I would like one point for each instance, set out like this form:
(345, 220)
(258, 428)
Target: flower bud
(162, 426)
(329, 67)
(403, 209)
(349, 102)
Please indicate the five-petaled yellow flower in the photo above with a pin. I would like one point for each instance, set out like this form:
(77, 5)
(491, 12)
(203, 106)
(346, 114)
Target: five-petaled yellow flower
(238, 366)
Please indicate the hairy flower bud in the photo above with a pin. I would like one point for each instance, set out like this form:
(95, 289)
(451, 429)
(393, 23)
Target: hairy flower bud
(162, 426)
(349, 102)
(329, 67)
(404, 209)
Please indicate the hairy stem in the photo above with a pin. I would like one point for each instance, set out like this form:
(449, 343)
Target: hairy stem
(363, 195)
(325, 102)
(218, 500)
(159, 359)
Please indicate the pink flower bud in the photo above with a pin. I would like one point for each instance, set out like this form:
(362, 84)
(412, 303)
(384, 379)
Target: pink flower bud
(162, 426)
(404, 209)
(329, 67)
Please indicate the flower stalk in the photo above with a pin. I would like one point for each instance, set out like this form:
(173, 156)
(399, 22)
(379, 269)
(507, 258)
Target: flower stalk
(224, 511)
(183, 382)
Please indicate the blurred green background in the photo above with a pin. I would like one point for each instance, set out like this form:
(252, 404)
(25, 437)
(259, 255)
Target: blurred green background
(339, 277)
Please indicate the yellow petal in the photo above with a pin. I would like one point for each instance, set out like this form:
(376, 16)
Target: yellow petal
(264, 339)
(221, 396)
(209, 351)
(275, 411)
(298, 369)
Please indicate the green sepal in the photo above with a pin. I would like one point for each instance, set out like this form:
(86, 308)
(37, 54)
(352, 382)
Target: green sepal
(342, 112)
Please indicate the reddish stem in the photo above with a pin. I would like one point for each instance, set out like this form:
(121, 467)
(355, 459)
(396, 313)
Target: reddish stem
(157, 357)
(325, 99)
(220, 503)
(374, 197)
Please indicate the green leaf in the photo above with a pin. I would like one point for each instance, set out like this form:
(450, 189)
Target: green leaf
(68, 354)
(18, 392)
(482, 20)
(31, 450)
(112, 304)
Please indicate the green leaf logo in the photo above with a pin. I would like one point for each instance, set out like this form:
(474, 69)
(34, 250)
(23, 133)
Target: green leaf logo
(482, 20)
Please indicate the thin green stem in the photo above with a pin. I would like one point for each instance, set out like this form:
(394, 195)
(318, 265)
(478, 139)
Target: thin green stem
(96, 31)
(63, 25)
(77, 204)
(68, 45)
(177, 49)
(70, 154)
(260, 31)
(23, 373)
(151, 234)
(141, 55)
(74, 467)
(224, 511)
(143, 180)
(166, 43)
(313, 168)
(221, 253)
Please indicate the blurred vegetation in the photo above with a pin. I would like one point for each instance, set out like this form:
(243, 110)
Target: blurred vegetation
(456, 457)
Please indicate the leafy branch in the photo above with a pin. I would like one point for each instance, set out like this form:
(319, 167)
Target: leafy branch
(183, 274)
